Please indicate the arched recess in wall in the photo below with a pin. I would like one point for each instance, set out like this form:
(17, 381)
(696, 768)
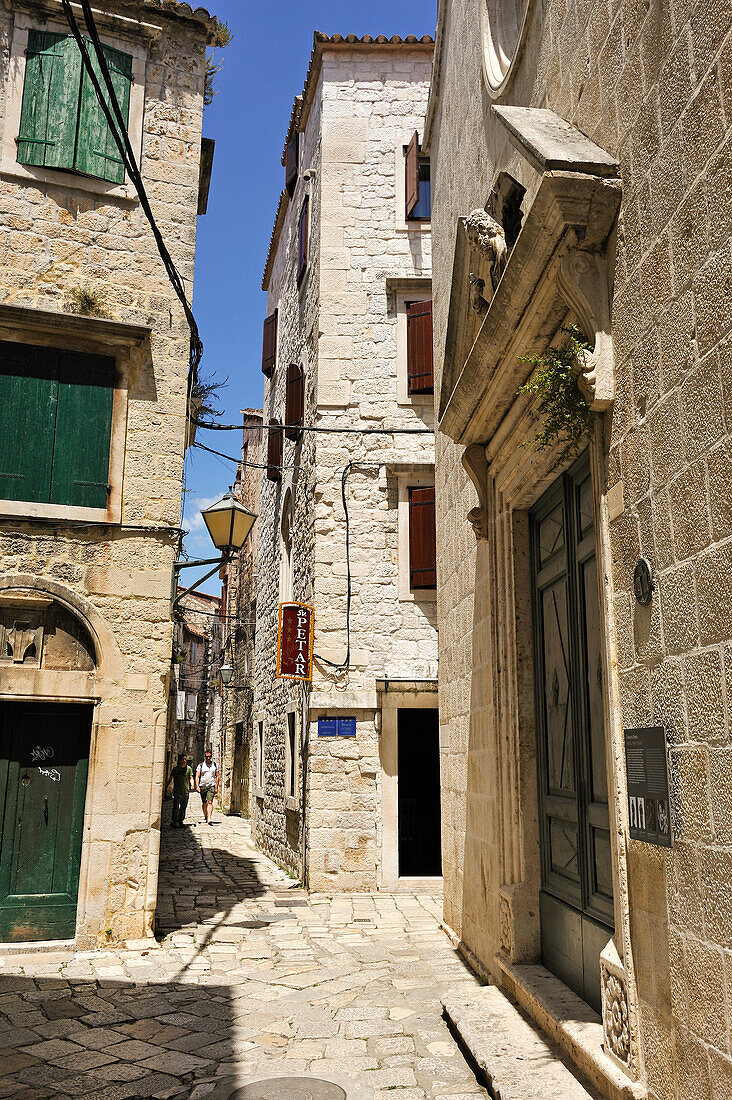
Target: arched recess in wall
(286, 524)
(503, 27)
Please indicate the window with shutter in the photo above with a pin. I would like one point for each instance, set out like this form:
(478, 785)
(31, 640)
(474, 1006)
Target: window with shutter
(422, 538)
(55, 447)
(420, 373)
(291, 163)
(269, 344)
(61, 122)
(294, 400)
(302, 242)
(274, 451)
(416, 182)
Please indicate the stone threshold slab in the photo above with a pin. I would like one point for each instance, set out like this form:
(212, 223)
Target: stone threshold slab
(513, 1059)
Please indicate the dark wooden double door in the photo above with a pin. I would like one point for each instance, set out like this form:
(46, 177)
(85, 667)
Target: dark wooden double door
(44, 758)
(576, 904)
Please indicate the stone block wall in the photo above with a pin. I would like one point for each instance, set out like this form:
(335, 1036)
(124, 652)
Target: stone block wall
(55, 237)
(651, 84)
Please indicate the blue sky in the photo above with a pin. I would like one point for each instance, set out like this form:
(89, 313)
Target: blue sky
(263, 70)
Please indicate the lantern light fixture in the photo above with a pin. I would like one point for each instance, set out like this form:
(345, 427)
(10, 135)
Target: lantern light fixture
(226, 672)
(228, 523)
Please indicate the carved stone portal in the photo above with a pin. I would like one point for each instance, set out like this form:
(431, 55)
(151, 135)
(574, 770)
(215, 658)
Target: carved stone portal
(487, 236)
(584, 283)
(506, 926)
(476, 466)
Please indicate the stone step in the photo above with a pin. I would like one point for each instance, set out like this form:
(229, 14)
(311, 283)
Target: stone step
(514, 1060)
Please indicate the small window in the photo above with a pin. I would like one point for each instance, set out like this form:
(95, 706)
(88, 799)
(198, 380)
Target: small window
(420, 371)
(194, 653)
(291, 756)
(422, 538)
(286, 588)
(55, 447)
(269, 344)
(302, 242)
(294, 401)
(61, 123)
(291, 163)
(274, 451)
(260, 754)
(418, 189)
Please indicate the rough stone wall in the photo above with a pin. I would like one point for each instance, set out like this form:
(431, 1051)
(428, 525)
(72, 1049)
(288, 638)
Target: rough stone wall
(55, 237)
(651, 84)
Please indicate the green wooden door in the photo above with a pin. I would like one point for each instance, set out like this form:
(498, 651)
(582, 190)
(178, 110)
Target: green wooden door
(576, 904)
(44, 757)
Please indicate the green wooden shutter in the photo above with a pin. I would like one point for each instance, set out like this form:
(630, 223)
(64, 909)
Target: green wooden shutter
(83, 430)
(96, 151)
(50, 101)
(28, 397)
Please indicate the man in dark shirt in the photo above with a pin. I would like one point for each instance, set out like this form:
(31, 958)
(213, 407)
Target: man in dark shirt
(182, 777)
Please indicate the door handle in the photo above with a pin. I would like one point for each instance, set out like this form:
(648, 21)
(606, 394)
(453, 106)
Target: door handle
(45, 810)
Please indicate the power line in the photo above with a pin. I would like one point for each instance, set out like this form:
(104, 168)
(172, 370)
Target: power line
(305, 428)
(240, 460)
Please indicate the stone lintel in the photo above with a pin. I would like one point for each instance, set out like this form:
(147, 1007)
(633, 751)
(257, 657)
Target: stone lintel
(550, 144)
(27, 323)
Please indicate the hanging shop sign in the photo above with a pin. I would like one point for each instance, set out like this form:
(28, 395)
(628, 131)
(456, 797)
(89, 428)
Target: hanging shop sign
(295, 642)
(336, 727)
(646, 764)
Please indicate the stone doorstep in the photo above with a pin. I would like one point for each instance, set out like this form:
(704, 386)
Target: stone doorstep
(37, 947)
(512, 1058)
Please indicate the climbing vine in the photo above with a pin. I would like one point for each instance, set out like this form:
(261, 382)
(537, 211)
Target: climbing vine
(566, 418)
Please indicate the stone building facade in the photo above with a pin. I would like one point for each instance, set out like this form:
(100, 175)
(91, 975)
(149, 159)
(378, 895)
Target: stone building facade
(239, 598)
(94, 363)
(601, 132)
(345, 262)
(194, 709)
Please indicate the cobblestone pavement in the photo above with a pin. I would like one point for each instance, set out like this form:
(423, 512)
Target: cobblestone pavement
(251, 979)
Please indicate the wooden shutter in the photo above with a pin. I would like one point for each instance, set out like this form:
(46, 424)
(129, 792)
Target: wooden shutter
(291, 165)
(274, 451)
(269, 344)
(302, 241)
(49, 112)
(83, 430)
(28, 398)
(96, 151)
(420, 371)
(411, 174)
(294, 400)
(422, 538)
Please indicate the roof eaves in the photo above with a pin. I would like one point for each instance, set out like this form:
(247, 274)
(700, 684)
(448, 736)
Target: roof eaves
(279, 221)
(182, 10)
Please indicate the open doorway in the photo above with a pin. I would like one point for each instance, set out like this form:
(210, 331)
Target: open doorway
(418, 805)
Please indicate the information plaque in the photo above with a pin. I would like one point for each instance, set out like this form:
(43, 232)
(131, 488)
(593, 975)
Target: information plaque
(646, 764)
(336, 727)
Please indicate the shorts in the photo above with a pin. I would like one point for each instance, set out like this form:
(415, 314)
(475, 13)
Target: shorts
(207, 794)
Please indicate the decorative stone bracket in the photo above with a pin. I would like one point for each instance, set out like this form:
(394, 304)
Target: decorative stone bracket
(619, 1023)
(476, 466)
(583, 280)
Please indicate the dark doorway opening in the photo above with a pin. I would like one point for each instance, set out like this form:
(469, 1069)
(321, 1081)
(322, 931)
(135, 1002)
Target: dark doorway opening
(418, 778)
(44, 761)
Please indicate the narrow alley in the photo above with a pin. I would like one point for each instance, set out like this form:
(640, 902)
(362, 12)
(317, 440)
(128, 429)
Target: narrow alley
(250, 980)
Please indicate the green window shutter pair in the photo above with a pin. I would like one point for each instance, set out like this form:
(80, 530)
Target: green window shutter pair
(61, 122)
(55, 448)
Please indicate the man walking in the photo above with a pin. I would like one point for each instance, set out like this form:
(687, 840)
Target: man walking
(182, 777)
(207, 784)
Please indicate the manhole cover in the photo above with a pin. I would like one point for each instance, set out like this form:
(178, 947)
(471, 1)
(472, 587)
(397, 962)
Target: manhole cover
(290, 1088)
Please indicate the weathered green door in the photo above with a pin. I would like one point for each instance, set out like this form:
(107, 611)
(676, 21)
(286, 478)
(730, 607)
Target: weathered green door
(44, 758)
(576, 903)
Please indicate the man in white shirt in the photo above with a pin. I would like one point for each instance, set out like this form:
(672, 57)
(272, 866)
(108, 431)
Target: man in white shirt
(207, 784)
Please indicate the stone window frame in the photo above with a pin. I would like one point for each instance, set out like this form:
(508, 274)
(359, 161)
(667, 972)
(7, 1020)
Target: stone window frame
(15, 82)
(71, 332)
(403, 291)
(402, 224)
(409, 475)
(260, 744)
(286, 574)
(292, 801)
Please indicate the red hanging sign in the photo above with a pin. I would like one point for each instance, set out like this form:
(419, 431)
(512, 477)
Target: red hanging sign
(295, 642)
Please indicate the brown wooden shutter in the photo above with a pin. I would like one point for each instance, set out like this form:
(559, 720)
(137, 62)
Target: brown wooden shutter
(269, 344)
(420, 371)
(274, 451)
(302, 242)
(422, 538)
(291, 159)
(294, 400)
(411, 174)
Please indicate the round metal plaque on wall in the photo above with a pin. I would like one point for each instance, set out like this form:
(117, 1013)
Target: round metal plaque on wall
(643, 582)
(290, 1088)
(504, 23)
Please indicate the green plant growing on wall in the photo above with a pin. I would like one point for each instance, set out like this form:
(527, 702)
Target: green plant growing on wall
(87, 300)
(221, 38)
(566, 417)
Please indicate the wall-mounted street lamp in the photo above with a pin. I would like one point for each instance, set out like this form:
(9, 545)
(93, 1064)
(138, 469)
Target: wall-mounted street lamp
(228, 523)
(226, 672)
